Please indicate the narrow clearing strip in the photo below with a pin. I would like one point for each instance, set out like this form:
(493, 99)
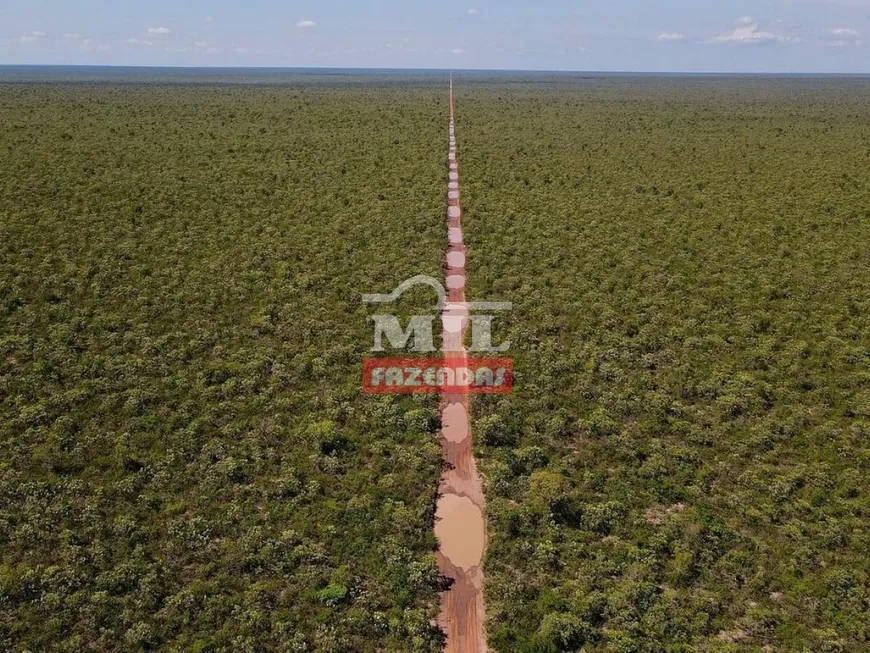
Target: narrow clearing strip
(459, 524)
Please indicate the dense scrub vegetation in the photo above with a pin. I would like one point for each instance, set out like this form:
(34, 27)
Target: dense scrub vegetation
(186, 462)
(685, 464)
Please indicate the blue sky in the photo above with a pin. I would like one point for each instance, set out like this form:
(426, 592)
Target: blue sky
(619, 35)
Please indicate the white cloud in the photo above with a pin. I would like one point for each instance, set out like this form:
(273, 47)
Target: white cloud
(72, 36)
(306, 23)
(200, 44)
(171, 49)
(751, 34)
(30, 37)
(671, 36)
(158, 31)
(473, 12)
(457, 50)
(139, 42)
(89, 45)
(842, 37)
(209, 19)
(745, 20)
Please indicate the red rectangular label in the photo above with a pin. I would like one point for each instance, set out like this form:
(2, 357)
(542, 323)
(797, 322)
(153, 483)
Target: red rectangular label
(448, 375)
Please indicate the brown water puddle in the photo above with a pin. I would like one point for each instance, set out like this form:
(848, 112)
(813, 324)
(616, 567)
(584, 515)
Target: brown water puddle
(460, 530)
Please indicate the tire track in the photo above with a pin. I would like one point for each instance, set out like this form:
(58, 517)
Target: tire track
(460, 525)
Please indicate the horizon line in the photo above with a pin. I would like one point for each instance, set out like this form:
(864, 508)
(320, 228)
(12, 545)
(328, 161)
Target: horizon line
(440, 69)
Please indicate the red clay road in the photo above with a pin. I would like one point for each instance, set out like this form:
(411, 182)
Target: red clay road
(460, 525)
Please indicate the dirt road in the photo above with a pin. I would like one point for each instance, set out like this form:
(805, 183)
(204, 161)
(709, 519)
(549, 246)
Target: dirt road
(460, 522)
